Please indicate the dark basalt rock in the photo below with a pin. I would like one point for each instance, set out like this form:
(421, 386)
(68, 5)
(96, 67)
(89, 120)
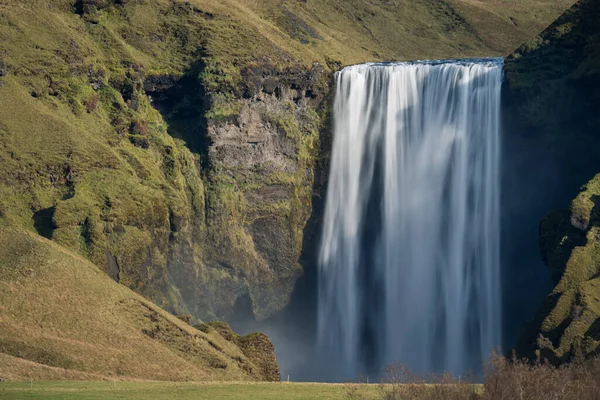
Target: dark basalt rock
(308, 83)
(4, 69)
(159, 83)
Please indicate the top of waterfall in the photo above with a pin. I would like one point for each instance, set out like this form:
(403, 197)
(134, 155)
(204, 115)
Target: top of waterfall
(492, 61)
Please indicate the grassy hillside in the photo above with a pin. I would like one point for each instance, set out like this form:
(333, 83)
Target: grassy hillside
(63, 318)
(173, 143)
(505, 24)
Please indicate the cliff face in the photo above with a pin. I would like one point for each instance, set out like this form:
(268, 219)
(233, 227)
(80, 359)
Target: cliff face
(553, 83)
(183, 180)
(174, 144)
(567, 324)
(257, 142)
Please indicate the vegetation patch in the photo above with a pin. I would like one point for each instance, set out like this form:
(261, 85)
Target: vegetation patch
(563, 329)
(256, 346)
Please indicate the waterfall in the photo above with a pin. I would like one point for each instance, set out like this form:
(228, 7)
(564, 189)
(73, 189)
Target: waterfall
(409, 260)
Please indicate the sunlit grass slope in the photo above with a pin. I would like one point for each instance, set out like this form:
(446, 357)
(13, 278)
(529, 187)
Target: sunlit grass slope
(357, 31)
(63, 318)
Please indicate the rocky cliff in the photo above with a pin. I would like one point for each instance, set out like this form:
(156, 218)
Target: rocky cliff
(567, 325)
(552, 97)
(175, 144)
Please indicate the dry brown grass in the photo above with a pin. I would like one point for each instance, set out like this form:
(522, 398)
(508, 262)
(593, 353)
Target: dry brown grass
(399, 383)
(63, 318)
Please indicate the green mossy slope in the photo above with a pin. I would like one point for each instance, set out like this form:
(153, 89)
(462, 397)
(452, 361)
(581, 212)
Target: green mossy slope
(567, 325)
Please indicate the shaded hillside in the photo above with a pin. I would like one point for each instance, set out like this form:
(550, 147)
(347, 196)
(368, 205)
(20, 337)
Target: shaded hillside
(174, 143)
(567, 324)
(553, 96)
(63, 318)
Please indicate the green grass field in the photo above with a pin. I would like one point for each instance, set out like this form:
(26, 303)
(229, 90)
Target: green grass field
(159, 390)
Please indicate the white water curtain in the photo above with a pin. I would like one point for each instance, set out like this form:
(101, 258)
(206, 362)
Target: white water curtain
(409, 262)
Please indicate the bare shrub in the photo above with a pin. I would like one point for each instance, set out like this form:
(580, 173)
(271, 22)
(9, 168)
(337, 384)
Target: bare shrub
(91, 104)
(354, 390)
(520, 380)
(140, 128)
(401, 384)
(448, 387)
(505, 379)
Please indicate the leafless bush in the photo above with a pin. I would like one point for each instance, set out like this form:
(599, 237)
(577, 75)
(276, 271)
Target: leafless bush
(447, 386)
(505, 379)
(355, 390)
(91, 104)
(401, 384)
(519, 380)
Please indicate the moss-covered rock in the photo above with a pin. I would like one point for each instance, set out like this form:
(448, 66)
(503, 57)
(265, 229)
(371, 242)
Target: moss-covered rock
(256, 346)
(261, 178)
(566, 325)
